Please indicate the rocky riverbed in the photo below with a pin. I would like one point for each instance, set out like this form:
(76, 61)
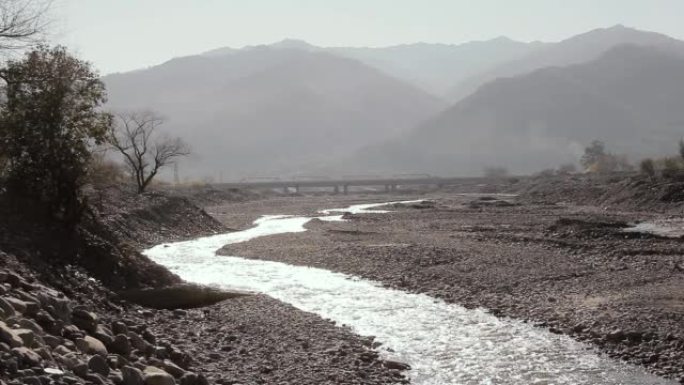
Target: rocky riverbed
(567, 268)
(47, 337)
(60, 324)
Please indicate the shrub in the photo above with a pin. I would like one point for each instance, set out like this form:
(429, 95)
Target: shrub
(597, 159)
(647, 167)
(671, 167)
(49, 119)
(103, 172)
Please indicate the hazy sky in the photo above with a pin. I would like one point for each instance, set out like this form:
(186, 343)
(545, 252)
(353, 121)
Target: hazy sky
(120, 35)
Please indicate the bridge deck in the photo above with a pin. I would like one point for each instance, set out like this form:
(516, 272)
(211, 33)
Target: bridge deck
(349, 182)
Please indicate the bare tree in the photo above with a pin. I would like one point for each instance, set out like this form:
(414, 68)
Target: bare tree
(22, 22)
(144, 151)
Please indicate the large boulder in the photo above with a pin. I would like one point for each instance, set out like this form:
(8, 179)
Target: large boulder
(189, 378)
(85, 320)
(132, 376)
(140, 344)
(31, 325)
(58, 307)
(121, 345)
(90, 345)
(26, 335)
(119, 327)
(172, 369)
(99, 365)
(7, 308)
(103, 334)
(70, 361)
(17, 304)
(10, 336)
(156, 376)
(27, 356)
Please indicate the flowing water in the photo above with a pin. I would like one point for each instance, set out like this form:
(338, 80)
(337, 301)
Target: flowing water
(444, 343)
(669, 228)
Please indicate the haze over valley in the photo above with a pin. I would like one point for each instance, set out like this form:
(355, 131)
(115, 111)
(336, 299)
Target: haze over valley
(448, 110)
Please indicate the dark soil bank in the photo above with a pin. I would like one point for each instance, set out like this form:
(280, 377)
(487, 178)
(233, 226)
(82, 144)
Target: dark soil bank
(61, 321)
(565, 268)
(632, 192)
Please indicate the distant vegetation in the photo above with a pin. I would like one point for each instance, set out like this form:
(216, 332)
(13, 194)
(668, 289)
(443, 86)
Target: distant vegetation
(647, 167)
(597, 159)
(666, 167)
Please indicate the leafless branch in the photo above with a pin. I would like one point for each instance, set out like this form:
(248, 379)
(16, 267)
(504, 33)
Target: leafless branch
(144, 152)
(22, 22)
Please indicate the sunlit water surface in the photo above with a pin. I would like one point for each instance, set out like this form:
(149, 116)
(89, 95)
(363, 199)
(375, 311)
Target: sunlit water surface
(444, 344)
(670, 228)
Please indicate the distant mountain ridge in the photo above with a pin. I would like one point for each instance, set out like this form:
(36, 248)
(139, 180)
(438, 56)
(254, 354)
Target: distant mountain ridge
(435, 68)
(266, 111)
(291, 107)
(577, 49)
(631, 97)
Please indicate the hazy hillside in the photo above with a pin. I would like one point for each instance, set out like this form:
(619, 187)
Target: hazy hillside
(631, 97)
(435, 68)
(263, 111)
(575, 50)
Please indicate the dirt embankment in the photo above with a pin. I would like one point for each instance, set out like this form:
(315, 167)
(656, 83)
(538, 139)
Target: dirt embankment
(152, 218)
(569, 269)
(61, 324)
(631, 192)
(115, 226)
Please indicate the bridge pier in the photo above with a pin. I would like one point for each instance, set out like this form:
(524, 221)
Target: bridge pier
(297, 189)
(337, 189)
(286, 190)
(345, 189)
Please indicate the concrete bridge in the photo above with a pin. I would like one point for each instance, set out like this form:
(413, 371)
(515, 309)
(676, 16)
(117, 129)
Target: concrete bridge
(343, 185)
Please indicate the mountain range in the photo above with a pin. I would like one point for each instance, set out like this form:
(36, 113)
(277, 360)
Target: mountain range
(435, 68)
(268, 111)
(292, 108)
(631, 97)
(577, 49)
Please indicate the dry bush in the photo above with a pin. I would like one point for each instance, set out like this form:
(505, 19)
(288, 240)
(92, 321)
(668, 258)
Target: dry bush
(670, 167)
(105, 172)
(647, 167)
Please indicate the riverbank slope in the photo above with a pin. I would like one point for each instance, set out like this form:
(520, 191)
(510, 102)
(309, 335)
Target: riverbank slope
(62, 318)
